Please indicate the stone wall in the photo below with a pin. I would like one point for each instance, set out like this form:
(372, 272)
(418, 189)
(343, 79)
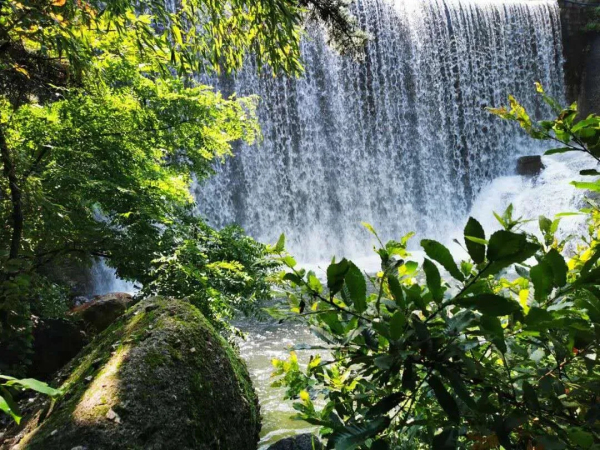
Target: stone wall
(582, 54)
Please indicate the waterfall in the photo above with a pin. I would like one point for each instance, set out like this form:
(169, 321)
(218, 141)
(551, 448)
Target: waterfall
(401, 140)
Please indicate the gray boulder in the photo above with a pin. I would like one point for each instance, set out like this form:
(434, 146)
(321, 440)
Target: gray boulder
(305, 441)
(159, 378)
(530, 166)
(103, 310)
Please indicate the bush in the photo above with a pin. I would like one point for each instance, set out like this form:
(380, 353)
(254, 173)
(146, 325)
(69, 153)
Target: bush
(499, 350)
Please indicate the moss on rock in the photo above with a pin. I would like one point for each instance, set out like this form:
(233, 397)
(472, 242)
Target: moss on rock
(159, 378)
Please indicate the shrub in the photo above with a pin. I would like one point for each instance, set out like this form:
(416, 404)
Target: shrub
(499, 350)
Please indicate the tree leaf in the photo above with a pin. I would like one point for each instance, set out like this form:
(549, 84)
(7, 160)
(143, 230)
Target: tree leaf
(542, 278)
(506, 248)
(336, 274)
(530, 396)
(446, 440)
(476, 250)
(442, 255)
(493, 330)
(559, 267)
(445, 400)
(357, 287)
(490, 304)
(434, 280)
(385, 405)
(397, 323)
(396, 291)
(555, 151)
(280, 246)
(355, 435)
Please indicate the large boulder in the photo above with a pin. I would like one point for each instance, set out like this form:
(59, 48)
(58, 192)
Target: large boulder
(103, 310)
(304, 441)
(160, 377)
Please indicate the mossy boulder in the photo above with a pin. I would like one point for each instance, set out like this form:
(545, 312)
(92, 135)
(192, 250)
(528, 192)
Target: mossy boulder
(160, 377)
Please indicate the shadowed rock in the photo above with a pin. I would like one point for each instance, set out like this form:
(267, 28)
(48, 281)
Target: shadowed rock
(530, 166)
(160, 377)
(103, 310)
(305, 441)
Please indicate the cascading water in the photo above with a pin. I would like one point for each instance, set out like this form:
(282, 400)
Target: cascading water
(401, 141)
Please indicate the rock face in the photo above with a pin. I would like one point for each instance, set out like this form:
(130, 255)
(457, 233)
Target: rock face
(160, 377)
(301, 442)
(55, 343)
(102, 310)
(590, 86)
(530, 165)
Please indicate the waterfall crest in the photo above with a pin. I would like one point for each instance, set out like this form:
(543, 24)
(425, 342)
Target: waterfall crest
(401, 141)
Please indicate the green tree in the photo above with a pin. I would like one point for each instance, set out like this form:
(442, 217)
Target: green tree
(497, 351)
(102, 130)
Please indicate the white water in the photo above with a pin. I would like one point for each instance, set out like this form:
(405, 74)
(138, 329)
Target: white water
(402, 141)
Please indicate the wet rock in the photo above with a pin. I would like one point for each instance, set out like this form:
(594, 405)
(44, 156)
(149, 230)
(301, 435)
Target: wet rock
(150, 392)
(305, 441)
(55, 343)
(530, 166)
(103, 310)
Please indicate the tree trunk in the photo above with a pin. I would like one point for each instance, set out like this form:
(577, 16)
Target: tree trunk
(15, 195)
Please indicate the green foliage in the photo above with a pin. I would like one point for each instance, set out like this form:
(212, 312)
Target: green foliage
(7, 403)
(499, 351)
(220, 272)
(192, 36)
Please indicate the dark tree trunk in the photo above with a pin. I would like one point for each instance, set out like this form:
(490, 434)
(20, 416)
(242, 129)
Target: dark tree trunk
(15, 195)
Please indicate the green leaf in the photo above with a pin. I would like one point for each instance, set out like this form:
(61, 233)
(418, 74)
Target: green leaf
(446, 440)
(280, 246)
(559, 267)
(8, 405)
(288, 261)
(313, 282)
(459, 388)
(369, 227)
(542, 278)
(590, 262)
(442, 255)
(293, 278)
(589, 172)
(490, 304)
(357, 287)
(352, 436)
(555, 151)
(336, 274)
(538, 319)
(586, 185)
(493, 330)
(530, 396)
(545, 224)
(476, 250)
(397, 323)
(581, 438)
(34, 385)
(396, 291)
(550, 442)
(385, 405)
(434, 280)
(409, 378)
(506, 248)
(445, 400)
